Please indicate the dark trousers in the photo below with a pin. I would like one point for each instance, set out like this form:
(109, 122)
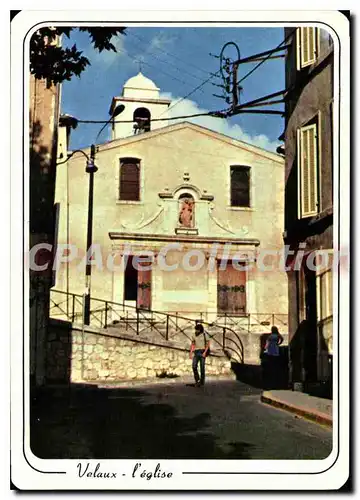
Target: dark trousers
(270, 371)
(198, 358)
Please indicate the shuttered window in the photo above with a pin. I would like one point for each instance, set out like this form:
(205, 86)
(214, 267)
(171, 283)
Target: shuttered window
(324, 288)
(129, 188)
(240, 186)
(306, 46)
(308, 171)
(326, 294)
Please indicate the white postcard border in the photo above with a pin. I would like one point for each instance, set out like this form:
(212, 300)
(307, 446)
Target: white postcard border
(29, 472)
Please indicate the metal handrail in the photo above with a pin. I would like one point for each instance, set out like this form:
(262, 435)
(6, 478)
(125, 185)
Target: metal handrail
(171, 314)
(170, 321)
(224, 345)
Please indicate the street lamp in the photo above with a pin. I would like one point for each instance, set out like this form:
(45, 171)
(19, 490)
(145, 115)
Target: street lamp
(119, 109)
(91, 169)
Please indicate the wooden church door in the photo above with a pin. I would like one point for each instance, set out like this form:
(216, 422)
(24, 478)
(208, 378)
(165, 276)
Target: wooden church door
(144, 285)
(231, 289)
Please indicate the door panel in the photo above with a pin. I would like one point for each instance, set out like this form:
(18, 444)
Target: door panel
(231, 289)
(130, 280)
(144, 286)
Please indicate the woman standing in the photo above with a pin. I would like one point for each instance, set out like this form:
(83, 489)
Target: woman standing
(271, 358)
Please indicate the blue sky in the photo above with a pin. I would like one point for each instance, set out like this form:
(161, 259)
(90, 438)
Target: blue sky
(177, 60)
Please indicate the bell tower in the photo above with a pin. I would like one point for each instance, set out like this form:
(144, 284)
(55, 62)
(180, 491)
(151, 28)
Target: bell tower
(141, 98)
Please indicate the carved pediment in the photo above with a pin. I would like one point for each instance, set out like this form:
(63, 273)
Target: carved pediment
(186, 187)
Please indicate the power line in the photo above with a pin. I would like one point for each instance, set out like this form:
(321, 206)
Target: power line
(215, 114)
(232, 67)
(215, 74)
(165, 73)
(157, 69)
(170, 54)
(151, 54)
(192, 92)
(266, 58)
(174, 78)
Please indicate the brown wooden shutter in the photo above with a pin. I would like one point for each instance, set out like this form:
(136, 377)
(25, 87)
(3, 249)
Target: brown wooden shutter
(240, 186)
(231, 289)
(144, 286)
(129, 179)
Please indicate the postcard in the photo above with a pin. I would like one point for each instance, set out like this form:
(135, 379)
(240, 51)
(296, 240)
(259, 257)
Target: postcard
(180, 206)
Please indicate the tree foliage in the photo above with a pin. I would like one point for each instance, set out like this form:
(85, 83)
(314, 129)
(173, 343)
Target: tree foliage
(55, 64)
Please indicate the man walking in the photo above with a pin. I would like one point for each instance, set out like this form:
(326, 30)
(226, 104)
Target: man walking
(198, 352)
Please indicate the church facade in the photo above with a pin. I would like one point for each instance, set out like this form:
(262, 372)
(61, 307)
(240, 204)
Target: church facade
(182, 216)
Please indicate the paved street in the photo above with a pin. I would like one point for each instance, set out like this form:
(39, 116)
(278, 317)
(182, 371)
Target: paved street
(225, 419)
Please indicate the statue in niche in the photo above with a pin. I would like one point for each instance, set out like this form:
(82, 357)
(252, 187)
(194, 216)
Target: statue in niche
(187, 211)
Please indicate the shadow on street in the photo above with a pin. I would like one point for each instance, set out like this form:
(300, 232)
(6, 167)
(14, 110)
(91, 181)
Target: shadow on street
(258, 376)
(90, 422)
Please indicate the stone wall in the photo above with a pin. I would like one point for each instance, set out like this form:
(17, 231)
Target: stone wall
(97, 355)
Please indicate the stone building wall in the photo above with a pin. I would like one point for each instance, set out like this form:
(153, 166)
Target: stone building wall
(92, 356)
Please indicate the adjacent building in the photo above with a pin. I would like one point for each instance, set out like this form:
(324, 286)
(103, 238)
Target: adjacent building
(44, 101)
(309, 202)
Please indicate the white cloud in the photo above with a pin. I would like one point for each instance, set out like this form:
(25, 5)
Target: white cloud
(108, 57)
(221, 125)
(152, 51)
(160, 41)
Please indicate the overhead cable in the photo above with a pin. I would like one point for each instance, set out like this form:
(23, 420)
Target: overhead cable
(215, 114)
(188, 63)
(265, 59)
(193, 91)
(177, 68)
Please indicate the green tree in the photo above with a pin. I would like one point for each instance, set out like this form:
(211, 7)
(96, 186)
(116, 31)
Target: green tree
(54, 63)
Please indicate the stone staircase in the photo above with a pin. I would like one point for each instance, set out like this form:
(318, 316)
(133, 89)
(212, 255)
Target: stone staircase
(239, 338)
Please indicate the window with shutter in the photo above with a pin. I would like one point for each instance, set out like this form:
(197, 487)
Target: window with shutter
(306, 46)
(325, 310)
(240, 186)
(129, 189)
(308, 171)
